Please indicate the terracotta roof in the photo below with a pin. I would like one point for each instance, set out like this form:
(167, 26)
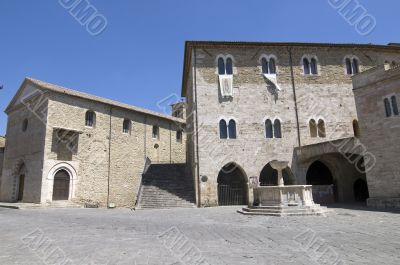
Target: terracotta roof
(67, 91)
(189, 45)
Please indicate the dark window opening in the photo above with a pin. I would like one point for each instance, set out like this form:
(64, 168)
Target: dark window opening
(268, 129)
(90, 119)
(223, 130)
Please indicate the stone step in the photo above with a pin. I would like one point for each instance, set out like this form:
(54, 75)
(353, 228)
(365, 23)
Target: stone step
(285, 210)
(167, 186)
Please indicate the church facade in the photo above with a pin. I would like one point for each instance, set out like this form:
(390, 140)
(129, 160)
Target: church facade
(70, 146)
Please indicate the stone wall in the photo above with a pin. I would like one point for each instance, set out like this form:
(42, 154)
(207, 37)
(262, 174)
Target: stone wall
(328, 95)
(2, 145)
(99, 160)
(380, 134)
(23, 154)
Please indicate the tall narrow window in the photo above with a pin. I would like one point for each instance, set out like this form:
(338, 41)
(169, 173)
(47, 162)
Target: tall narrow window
(349, 67)
(90, 119)
(229, 66)
(223, 129)
(394, 105)
(156, 132)
(221, 66)
(272, 66)
(126, 126)
(313, 128)
(264, 65)
(314, 66)
(277, 129)
(268, 129)
(388, 109)
(321, 129)
(306, 65)
(179, 136)
(232, 129)
(356, 129)
(352, 66)
(356, 68)
(25, 125)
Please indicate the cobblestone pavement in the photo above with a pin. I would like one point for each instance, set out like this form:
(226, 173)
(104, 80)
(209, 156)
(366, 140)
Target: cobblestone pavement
(196, 236)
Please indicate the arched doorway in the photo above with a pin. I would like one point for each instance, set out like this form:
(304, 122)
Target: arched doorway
(269, 176)
(21, 173)
(325, 189)
(232, 186)
(360, 189)
(21, 186)
(61, 185)
(319, 174)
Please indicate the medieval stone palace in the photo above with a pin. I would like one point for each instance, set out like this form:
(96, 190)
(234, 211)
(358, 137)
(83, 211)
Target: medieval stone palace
(246, 105)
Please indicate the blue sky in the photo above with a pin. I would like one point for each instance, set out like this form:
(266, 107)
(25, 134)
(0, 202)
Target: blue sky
(138, 58)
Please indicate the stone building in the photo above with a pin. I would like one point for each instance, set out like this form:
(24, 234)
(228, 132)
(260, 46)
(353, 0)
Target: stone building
(2, 146)
(67, 145)
(377, 92)
(252, 103)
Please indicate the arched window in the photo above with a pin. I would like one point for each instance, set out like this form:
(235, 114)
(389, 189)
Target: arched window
(156, 132)
(356, 129)
(349, 67)
(313, 128)
(356, 68)
(388, 109)
(221, 66)
(321, 129)
(223, 130)
(126, 126)
(264, 65)
(394, 105)
(232, 129)
(25, 125)
(352, 66)
(277, 129)
(306, 65)
(272, 66)
(268, 129)
(314, 66)
(179, 136)
(229, 66)
(90, 119)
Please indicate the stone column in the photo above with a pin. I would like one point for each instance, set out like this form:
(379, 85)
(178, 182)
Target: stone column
(279, 166)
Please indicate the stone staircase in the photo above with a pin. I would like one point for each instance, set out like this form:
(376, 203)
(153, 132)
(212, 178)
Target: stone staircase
(166, 186)
(283, 210)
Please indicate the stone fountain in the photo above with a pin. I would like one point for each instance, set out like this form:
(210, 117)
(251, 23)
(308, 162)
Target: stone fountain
(283, 200)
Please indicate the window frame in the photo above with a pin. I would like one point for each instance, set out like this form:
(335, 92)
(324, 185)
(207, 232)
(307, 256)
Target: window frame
(25, 125)
(155, 132)
(223, 129)
(124, 129)
(232, 129)
(269, 131)
(90, 122)
(225, 61)
(179, 136)
(310, 64)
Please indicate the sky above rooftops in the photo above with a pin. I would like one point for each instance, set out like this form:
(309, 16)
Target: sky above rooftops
(137, 57)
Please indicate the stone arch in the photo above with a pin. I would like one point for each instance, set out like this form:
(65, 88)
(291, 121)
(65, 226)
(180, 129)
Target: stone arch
(19, 174)
(232, 185)
(360, 188)
(269, 176)
(73, 179)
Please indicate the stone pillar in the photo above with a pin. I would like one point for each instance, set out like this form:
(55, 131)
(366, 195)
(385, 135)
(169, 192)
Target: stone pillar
(279, 166)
